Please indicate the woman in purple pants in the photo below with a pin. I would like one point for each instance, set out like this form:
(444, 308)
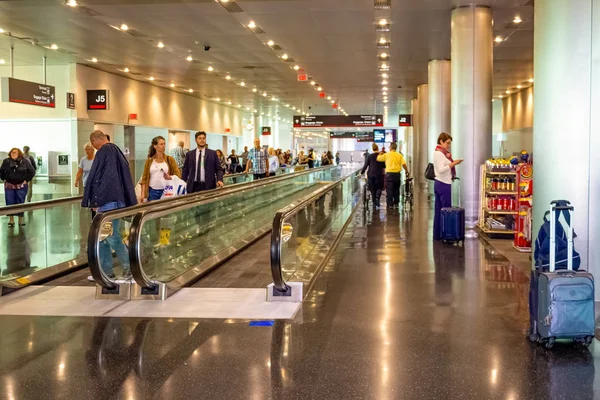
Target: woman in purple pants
(444, 167)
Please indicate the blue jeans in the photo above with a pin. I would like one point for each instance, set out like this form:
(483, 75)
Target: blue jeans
(15, 196)
(113, 242)
(155, 194)
(443, 199)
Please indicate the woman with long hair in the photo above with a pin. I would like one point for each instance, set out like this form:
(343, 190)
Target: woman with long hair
(445, 170)
(273, 162)
(158, 167)
(222, 160)
(311, 158)
(16, 171)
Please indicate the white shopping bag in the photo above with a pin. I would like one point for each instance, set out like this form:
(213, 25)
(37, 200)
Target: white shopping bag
(174, 187)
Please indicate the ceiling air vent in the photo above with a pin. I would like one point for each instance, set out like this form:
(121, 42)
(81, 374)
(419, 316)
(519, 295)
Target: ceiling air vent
(135, 33)
(383, 28)
(383, 4)
(87, 11)
(232, 7)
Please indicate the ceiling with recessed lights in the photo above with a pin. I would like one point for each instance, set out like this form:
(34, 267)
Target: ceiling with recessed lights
(192, 46)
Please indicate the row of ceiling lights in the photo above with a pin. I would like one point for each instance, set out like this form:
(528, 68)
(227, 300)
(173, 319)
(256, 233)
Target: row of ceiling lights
(517, 20)
(510, 91)
(383, 26)
(254, 28)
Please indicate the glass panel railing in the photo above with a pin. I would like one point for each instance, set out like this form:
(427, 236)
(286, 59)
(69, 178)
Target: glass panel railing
(305, 233)
(54, 235)
(176, 245)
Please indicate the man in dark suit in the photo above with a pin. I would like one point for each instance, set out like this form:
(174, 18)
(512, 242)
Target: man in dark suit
(202, 168)
(375, 175)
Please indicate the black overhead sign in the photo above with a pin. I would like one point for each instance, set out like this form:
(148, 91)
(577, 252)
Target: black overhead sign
(24, 92)
(365, 136)
(333, 121)
(97, 99)
(360, 136)
(405, 120)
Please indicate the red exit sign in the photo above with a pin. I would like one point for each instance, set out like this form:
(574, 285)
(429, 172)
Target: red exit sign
(302, 77)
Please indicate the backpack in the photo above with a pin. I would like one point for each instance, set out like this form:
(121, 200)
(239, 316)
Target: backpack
(542, 243)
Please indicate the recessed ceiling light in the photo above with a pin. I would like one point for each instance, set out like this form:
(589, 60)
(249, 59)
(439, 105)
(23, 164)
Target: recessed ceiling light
(384, 82)
(247, 108)
(519, 86)
(385, 101)
(262, 113)
(71, 3)
(531, 80)
(517, 19)
(498, 39)
(265, 94)
(384, 75)
(1, 30)
(328, 97)
(270, 43)
(313, 83)
(296, 67)
(382, 41)
(126, 69)
(384, 66)
(501, 96)
(242, 83)
(382, 22)
(151, 78)
(251, 25)
(124, 27)
(229, 103)
(255, 90)
(332, 101)
(239, 105)
(191, 90)
(383, 55)
(189, 58)
(294, 108)
(94, 60)
(273, 98)
(224, 1)
(255, 110)
(210, 69)
(507, 92)
(320, 89)
(160, 45)
(285, 56)
(172, 85)
(2, 61)
(217, 99)
(385, 88)
(54, 46)
(228, 77)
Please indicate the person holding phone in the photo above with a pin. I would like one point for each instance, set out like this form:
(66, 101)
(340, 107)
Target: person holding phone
(445, 170)
(158, 167)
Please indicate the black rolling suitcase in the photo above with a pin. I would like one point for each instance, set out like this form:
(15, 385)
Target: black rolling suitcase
(453, 222)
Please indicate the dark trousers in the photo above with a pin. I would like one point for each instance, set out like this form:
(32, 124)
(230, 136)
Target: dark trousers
(259, 176)
(15, 196)
(392, 188)
(375, 187)
(443, 199)
(197, 187)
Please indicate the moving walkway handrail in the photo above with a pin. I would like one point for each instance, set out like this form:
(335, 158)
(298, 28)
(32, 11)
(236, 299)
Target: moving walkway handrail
(135, 233)
(38, 205)
(166, 206)
(286, 212)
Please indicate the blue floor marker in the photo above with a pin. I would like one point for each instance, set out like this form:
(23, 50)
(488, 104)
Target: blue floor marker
(261, 323)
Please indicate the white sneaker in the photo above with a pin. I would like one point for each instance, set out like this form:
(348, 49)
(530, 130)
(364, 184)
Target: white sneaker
(91, 279)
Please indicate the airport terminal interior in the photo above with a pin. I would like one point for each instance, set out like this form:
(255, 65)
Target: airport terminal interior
(299, 199)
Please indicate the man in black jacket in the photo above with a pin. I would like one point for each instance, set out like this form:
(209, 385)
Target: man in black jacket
(375, 175)
(109, 187)
(202, 168)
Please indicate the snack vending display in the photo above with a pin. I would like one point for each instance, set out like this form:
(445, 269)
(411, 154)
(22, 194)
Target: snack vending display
(523, 231)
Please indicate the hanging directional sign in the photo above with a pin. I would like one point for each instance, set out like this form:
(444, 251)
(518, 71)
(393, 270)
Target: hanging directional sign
(332, 121)
(25, 92)
(266, 130)
(405, 120)
(97, 99)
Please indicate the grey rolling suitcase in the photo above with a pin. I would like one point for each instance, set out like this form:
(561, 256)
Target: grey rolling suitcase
(565, 298)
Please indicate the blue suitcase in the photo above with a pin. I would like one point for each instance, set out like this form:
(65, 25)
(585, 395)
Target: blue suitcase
(453, 224)
(561, 302)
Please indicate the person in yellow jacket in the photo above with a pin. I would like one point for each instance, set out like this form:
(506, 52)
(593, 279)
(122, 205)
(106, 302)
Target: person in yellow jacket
(394, 162)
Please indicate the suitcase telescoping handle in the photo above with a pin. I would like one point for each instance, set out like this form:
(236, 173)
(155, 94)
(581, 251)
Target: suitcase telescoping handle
(456, 178)
(561, 207)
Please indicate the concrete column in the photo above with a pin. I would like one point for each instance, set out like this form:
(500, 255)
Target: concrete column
(423, 99)
(472, 62)
(415, 138)
(439, 102)
(567, 85)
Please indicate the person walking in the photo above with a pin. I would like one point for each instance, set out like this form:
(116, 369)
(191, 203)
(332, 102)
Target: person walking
(34, 165)
(445, 170)
(311, 158)
(234, 161)
(16, 172)
(273, 162)
(337, 158)
(222, 160)
(375, 175)
(244, 156)
(85, 165)
(158, 168)
(202, 168)
(178, 153)
(259, 160)
(109, 187)
(394, 162)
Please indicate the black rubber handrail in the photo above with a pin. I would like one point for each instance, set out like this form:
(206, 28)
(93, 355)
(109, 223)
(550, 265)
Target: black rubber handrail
(167, 205)
(135, 233)
(281, 215)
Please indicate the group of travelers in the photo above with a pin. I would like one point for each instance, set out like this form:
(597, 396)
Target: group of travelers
(384, 170)
(17, 172)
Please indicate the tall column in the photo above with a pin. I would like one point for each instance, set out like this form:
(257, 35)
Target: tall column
(414, 103)
(472, 62)
(567, 50)
(439, 102)
(424, 150)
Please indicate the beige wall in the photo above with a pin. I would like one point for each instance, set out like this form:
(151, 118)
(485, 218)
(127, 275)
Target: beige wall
(517, 110)
(156, 107)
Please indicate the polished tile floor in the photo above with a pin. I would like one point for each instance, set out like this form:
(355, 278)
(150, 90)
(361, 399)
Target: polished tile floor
(393, 316)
